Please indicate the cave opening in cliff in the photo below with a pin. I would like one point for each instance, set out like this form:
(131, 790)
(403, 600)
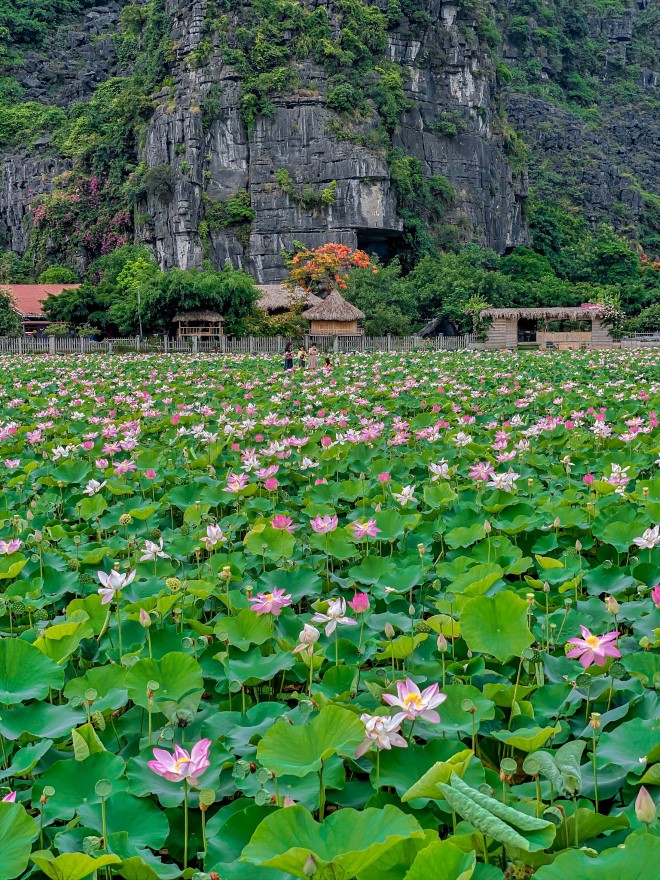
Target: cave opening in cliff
(380, 243)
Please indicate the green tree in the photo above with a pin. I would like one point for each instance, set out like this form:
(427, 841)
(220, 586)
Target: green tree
(58, 275)
(230, 292)
(10, 320)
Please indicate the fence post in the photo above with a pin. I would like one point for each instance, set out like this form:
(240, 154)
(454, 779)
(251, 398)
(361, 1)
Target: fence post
(279, 343)
(251, 344)
(109, 346)
(137, 343)
(166, 344)
(223, 343)
(20, 345)
(335, 345)
(389, 342)
(195, 344)
(51, 345)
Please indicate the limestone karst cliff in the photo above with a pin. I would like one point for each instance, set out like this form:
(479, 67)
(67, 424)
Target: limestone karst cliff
(230, 129)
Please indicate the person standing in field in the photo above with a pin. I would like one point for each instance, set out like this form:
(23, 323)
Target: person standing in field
(288, 357)
(313, 357)
(302, 355)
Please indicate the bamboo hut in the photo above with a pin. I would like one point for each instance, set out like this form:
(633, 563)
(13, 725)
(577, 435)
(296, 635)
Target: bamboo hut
(510, 328)
(333, 316)
(202, 323)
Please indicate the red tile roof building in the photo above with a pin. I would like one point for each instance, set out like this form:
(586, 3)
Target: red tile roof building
(29, 301)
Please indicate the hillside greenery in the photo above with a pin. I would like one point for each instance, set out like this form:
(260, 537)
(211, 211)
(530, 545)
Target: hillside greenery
(543, 48)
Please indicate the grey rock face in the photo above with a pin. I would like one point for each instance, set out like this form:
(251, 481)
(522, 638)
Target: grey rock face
(300, 137)
(447, 72)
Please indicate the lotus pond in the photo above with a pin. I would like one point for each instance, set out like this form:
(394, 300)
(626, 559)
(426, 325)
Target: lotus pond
(395, 621)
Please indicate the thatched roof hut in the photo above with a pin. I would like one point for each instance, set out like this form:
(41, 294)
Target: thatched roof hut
(203, 323)
(547, 313)
(277, 298)
(333, 316)
(512, 327)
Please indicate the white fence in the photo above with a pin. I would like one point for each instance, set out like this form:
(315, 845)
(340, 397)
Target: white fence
(227, 344)
(641, 340)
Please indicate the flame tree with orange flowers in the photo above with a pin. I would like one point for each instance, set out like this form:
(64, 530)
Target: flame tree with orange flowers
(324, 268)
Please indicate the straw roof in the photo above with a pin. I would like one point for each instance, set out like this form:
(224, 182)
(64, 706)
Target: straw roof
(554, 313)
(333, 308)
(273, 297)
(201, 315)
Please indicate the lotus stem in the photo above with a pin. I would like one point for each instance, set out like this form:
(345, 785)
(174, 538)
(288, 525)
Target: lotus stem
(185, 824)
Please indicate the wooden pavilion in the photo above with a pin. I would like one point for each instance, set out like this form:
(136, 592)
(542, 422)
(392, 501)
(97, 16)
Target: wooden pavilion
(546, 327)
(202, 323)
(333, 316)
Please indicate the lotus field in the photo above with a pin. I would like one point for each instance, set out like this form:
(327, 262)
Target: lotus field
(396, 620)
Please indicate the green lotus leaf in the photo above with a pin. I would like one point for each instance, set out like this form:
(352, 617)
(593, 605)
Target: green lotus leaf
(70, 866)
(637, 859)
(60, 641)
(247, 628)
(442, 861)
(145, 823)
(17, 833)
(497, 821)
(527, 739)
(348, 840)
(301, 749)
(26, 759)
(179, 677)
(497, 625)
(427, 785)
(75, 783)
(26, 673)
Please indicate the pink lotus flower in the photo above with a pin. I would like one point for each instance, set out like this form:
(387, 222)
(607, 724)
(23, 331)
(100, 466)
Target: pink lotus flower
(112, 584)
(481, 470)
(308, 637)
(385, 477)
(153, 551)
(366, 529)
(271, 484)
(150, 474)
(270, 603)
(283, 523)
(9, 547)
(588, 479)
(416, 703)
(12, 463)
(593, 649)
(381, 731)
(9, 798)
(359, 603)
(655, 595)
(214, 536)
(236, 482)
(335, 615)
(181, 765)
(324, 524)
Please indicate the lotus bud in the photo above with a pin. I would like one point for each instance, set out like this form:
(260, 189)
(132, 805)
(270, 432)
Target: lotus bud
(487, 526)
(421, 549)
(546, 587)
(38, 536)
(645, 493)
(594, 720)
(389, 631)
(310, 868)
(411, 610)
(442, 644)
(612, 605)
(145, 618)
(556, 522)
(29, 516)
(578, 546)
(645, 807)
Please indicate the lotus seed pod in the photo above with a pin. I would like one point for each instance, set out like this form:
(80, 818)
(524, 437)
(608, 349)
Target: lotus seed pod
(125, 519)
